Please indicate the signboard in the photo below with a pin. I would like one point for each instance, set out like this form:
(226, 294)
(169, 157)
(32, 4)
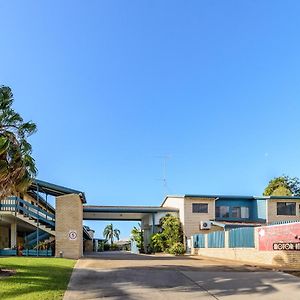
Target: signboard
(286, 246)
(72, 235)
(285, 237)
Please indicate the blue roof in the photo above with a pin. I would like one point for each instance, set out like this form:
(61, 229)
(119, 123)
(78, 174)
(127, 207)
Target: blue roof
(54, 189)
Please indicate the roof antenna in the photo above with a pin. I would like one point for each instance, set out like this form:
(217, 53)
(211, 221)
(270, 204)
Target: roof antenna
(164, 173)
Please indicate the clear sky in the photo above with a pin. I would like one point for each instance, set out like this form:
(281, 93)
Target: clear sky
(113, 85)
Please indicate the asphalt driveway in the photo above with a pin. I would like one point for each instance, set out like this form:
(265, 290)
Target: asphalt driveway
(121, 275)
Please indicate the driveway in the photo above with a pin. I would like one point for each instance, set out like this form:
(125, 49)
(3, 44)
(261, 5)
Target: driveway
(121, 275)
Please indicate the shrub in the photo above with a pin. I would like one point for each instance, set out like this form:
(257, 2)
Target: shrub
(157, 242)
(114, 247)
(138, 237)
(106, 247)
(177, 249)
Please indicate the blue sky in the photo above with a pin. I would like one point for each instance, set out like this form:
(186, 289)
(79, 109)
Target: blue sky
(112, 85)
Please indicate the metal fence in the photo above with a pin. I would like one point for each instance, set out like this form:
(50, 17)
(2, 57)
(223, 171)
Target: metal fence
(199, 241)
(216, 239)
(241, 238)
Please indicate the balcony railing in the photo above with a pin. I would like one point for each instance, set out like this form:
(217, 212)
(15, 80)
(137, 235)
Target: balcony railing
(18, 205)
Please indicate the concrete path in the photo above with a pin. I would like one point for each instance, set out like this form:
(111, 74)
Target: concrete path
(121, 275)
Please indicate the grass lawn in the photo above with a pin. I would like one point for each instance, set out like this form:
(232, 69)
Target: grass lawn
(35, 278)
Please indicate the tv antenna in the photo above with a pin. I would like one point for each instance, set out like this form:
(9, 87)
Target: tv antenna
(164, 172)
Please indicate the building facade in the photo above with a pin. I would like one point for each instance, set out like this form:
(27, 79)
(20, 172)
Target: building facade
(221, 211)
(29, 221)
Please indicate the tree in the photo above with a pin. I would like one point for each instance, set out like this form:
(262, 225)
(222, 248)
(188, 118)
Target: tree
(111, 233)
(283, 186)
(137, 236)
(17, 166)
(170, 239)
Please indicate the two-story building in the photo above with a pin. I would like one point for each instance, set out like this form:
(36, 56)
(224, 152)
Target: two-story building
(27, 222)
(219, 212)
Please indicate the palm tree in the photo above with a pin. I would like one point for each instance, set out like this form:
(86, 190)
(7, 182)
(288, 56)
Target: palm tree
(109, 233)
(17, 167)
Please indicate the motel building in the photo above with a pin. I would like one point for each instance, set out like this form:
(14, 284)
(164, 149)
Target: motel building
(235, 227)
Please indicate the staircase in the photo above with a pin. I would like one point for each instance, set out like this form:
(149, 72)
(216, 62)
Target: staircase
(32, 238)
(29, 213)
(46, 228)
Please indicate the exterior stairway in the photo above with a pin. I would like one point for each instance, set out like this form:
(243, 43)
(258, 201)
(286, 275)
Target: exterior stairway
(33, 222)
(33, 237)
(29, 213)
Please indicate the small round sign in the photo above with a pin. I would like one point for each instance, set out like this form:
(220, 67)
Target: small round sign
(72, 235)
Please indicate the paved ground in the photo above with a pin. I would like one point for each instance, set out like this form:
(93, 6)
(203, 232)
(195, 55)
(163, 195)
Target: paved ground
(119, 275)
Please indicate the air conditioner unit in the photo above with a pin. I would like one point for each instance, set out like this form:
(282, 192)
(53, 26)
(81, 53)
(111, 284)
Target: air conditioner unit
(205, 225)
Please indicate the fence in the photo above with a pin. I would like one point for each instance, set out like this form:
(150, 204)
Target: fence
(241, 238)
(216, 239)
(199, 241)
(237, 238)
(33, 252)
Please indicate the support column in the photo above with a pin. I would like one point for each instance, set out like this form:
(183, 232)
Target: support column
(226, 239)
(68, 226)
(13, 235)
(153, 223)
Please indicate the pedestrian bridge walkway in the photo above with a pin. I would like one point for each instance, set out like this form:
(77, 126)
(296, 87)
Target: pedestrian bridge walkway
(123, 213)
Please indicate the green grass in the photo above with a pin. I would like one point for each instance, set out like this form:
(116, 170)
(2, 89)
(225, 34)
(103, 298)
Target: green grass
(36, 278)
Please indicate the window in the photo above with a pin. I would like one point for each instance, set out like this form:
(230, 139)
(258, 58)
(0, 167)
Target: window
(286, 208)
(200, 208)
(245, 212)
(236, 212)
(222, 212)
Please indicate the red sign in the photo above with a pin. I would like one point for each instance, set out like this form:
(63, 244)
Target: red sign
(279, 237)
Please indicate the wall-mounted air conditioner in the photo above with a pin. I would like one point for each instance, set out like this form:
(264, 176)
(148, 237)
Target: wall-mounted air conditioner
(205, 225)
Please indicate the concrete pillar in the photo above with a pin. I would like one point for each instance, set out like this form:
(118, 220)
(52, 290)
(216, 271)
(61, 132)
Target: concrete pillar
(226, 239)
(205, 241)
(13, 235)
(68, 226)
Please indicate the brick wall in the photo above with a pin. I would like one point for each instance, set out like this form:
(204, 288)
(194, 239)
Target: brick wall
(192, 220)
(284, 259)
(272, 211)
(69, 214)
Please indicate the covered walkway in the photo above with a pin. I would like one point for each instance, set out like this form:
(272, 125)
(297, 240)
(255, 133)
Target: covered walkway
(124, 213)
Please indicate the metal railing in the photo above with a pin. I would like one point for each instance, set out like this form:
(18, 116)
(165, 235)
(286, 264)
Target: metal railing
(27, 209)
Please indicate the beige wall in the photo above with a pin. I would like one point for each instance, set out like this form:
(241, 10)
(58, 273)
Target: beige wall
(272, 210)
(88, 245)
(192, 220)
(287, 259)
(176, 202)
(69, 213)
(4, 237)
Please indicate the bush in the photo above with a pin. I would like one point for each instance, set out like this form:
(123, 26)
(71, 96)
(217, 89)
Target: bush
(176, 249)
(157, 242)
(114, 247)
(138, 237)
(106, 247)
